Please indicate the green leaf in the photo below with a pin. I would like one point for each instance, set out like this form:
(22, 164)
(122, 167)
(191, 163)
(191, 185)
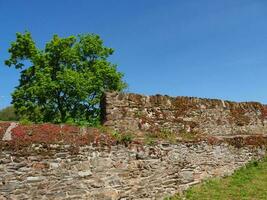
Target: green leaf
(64, 81)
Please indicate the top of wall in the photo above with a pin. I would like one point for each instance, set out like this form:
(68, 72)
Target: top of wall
(135, 112)
(165, 101)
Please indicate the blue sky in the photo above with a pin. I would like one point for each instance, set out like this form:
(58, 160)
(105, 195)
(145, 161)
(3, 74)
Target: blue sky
(207, 48)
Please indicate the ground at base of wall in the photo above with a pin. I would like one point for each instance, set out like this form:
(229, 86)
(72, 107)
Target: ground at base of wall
(249, 182)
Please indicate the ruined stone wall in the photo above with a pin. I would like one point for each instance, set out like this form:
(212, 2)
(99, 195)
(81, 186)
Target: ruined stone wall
(138, 113)
(118, 172)
(99, 169)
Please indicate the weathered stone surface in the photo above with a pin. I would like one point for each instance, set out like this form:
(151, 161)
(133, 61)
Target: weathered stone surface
(83, 174)
(135, 113)
(117, 172)
(32, 179)
(187, 176)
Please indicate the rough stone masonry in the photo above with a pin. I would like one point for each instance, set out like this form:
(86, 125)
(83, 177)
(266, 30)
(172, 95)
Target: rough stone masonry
(125, 173)
(235, 135)
(138, 113)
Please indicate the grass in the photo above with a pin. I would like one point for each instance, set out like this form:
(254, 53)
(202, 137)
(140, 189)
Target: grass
(164, 134)
(151, 138)
(188, 136)
(248, 183)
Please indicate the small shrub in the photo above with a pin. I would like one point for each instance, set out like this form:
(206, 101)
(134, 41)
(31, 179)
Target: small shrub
(116, 135)
(25, 121)
(122, 138)
(149, 140)
(127, 138)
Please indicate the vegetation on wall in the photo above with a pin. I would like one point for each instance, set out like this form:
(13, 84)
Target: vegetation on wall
(64, 81)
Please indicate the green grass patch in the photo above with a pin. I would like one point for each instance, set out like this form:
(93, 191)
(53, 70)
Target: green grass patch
(188, 136)
(163, 134)
(248, 183)
(123, 138)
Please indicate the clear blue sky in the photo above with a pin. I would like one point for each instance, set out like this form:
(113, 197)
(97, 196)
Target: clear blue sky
(207, 48)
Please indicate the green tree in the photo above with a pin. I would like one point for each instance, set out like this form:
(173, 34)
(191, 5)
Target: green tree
(65, 80)
(8, 114)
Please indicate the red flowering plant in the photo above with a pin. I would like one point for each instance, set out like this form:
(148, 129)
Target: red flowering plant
(52, 133)
(47, 133)
(23, 135)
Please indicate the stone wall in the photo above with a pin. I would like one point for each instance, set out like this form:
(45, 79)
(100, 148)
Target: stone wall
(138, 113)
(117, 172)
(34, 164)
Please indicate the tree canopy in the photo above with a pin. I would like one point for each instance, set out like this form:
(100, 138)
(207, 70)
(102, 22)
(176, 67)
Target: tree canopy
(8, 114)
(65, 80)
